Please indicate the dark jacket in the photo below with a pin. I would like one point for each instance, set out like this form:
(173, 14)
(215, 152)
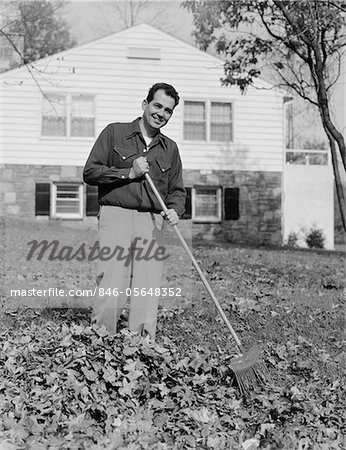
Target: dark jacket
(111, 158)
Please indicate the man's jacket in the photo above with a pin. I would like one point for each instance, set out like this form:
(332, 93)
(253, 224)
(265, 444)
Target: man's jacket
(111, 158)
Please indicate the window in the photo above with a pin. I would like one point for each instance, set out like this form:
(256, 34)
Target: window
(194, 121)
(307, 157)
(82, 116)
(206, 204)
(221, 122)
(67, 200)
(54, 116)
(208, 121)
(69, 116)
(212, 203)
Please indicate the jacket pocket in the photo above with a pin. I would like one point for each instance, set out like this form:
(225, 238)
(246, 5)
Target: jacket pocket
(164, 166)
(123, 156)
(160, 175)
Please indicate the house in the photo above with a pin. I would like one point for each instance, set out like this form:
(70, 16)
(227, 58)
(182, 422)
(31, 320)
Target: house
(232, 145)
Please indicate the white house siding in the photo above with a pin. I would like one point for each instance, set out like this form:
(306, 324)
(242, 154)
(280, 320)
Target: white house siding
(307, 203)
(100, 68)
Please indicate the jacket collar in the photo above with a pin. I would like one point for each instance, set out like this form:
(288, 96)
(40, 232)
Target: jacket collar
(133, 129)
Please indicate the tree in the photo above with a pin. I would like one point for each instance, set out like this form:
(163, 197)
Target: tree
(45, 33)
(127, 13)
(130, 11)
(301, 41)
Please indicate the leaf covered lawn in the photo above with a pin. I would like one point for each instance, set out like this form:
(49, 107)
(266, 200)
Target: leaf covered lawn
(68, 384)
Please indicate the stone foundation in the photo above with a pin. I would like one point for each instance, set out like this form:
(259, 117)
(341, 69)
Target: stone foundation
(260, 202)
(260, 199)
(17, 185)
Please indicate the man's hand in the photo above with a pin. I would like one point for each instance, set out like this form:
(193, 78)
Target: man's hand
(171, 216)
(140, 166)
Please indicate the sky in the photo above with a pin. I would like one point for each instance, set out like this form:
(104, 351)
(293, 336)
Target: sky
(91, 20)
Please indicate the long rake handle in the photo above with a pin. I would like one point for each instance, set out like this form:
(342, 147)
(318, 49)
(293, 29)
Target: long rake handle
(194, 262)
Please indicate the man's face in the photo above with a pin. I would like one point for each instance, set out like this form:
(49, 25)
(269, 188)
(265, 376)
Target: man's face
(158, 112)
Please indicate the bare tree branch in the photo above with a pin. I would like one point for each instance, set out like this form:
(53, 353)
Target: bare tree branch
(341, 5)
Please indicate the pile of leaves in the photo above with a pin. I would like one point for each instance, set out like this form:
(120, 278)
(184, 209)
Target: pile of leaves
(68, 384)
(81, 384)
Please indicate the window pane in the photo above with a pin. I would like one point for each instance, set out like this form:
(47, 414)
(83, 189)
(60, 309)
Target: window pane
(54, 126)
(67, 208)
(82, 116)
(67, 199)
(54, 105)
(194, 131)
(67, 187)
(72, 188)
(194, 111)
(82, 106)
(221, 112)
(67, 195)
(206, 202)
(54, 116)
(82, 126)
(307, 158)
(221, 122)
(194, 121)
(220, 132)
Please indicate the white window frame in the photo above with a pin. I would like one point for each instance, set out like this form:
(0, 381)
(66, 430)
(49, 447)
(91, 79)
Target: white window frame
(53, 206)
(206, 219)
(68, 110)
(208, 104)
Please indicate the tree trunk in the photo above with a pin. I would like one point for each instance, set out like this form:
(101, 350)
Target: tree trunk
(322, 95)
(338, 185)
(335, 134)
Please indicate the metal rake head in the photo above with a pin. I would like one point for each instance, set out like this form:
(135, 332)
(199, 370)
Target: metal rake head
(245, 370)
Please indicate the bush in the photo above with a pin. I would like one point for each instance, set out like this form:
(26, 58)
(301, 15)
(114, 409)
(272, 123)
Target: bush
(315, 238)
(292, 239)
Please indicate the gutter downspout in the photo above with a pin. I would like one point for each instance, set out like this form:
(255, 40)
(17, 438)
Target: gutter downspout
(287, 101)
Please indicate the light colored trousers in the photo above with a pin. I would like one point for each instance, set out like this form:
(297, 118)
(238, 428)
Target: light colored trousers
(125, 275)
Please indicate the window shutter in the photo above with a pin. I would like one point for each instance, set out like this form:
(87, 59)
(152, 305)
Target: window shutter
(188, 207)
(92, 204)
(231, 203)
(42, 199)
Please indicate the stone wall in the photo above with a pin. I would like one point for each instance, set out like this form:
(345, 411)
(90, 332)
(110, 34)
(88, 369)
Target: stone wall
(17, 185)
(260, 205)
(260, 199)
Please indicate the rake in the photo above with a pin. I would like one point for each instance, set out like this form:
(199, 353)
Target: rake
(245, 365)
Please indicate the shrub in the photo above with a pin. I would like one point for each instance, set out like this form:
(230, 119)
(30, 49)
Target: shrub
(292, 239)
(315, 238)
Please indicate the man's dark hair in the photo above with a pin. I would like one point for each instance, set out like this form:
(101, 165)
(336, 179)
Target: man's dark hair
(169, 90)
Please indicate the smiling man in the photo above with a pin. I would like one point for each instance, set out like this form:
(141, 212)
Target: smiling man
(129, 211)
